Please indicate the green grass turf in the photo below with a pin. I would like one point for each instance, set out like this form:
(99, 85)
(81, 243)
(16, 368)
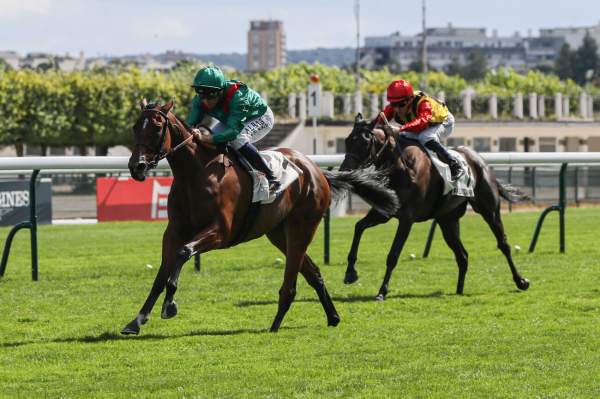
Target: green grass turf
(59, 337)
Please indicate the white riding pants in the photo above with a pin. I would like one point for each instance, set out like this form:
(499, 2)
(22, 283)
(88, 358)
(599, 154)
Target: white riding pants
(436, 132)
(254, 129)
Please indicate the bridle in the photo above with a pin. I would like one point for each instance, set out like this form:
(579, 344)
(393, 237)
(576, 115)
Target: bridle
(161, 153)
(374, 154)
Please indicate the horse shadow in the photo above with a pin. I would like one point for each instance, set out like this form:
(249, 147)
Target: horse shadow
(349, 299)
(109, 336)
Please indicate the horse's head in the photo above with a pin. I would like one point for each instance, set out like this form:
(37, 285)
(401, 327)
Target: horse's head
(358, 144)
(152, 140)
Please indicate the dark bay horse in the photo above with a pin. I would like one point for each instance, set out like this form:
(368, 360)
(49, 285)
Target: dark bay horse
(420, 191)
(209, 206)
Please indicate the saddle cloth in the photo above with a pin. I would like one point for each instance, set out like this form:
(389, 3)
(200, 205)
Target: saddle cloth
(285, 171)
(463, 187)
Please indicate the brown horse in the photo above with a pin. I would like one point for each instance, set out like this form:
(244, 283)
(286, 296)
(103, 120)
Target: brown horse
(209, 207)
(420, 190)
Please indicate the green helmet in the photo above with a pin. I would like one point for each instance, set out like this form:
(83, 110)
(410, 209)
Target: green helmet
(210, 76)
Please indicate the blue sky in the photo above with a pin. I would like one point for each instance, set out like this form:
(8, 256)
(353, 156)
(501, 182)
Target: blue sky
(117, 27)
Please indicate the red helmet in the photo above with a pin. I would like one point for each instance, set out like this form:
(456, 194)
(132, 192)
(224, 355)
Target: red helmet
(399, 89)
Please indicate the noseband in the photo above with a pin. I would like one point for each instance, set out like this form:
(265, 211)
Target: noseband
(371, 150)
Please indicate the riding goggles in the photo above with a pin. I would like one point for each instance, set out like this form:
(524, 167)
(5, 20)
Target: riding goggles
(207, 92)
(400, 103)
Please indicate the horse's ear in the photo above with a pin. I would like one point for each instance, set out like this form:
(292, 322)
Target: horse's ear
(358, 118)
(167, 107)
(143, 103)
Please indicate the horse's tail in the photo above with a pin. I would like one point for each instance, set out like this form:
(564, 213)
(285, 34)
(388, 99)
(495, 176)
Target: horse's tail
(511, 193)
(369, 184)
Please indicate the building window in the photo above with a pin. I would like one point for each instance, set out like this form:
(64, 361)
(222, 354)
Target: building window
(547, 144)
(340, 146)
(455, 141)
(482, 144)
(508, 144)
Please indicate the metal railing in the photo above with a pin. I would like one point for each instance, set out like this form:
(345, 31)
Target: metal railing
(35, 165)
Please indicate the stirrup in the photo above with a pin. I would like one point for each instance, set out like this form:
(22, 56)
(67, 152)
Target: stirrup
(457, 174)
(274, 184)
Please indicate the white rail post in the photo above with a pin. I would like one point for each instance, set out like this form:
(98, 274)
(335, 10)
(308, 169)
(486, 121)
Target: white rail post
(441, 96)
(583, 105)
(518, 105)
(292, 105)
(558, 106)
(467, 104)
(384, 100)
(542, 106)
(590, 107)
(347, 104)
(566, 106)
(374, 105)
(358, 102)
(327, 108)
(302, 105)
(493, 106)
(533, 110)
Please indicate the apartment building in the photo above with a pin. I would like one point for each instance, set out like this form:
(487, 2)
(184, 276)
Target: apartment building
(266, 45)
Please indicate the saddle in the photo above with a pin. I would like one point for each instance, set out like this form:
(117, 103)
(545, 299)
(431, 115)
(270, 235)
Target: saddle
(285, 171)
(463, 187)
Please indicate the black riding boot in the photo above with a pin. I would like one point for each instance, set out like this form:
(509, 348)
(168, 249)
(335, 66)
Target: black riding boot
(251, 154)
(456, 169)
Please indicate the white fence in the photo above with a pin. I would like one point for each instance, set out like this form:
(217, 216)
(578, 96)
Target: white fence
(93, 163)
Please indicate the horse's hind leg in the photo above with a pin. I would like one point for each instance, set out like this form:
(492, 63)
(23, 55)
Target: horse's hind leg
(371, 219)
(493, 220)
(298, 232)
(312, 274)
(451, 230)
(404, 226)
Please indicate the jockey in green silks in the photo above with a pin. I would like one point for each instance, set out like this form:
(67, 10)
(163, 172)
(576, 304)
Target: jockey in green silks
(244, 117)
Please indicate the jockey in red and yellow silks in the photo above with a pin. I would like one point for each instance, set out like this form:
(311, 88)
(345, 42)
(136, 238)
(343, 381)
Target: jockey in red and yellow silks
(422, 118)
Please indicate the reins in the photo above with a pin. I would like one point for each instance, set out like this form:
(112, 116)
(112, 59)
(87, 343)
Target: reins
(161, 153)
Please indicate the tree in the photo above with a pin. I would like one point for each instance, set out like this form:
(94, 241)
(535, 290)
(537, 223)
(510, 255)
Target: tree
(586, 59)
(4, 66)
(564, 62)
(454, 67)
(476, 66)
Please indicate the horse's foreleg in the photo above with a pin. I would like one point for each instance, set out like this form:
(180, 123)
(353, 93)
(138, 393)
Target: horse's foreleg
(373, 218)
(169, 245)
(206, 240)
(451, 232)
(157, 287)
(402, 232)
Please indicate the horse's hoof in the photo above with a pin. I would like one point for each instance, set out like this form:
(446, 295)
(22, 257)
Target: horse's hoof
(523, 284)
(169, 311)
(131, 329)
(333, 321)
(350, 278)
(380, 297)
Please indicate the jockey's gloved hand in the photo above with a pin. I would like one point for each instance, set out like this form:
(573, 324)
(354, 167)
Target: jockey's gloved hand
(202, 134)
(389, 130)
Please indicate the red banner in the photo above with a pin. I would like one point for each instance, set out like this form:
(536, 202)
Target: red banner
(127, 199)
